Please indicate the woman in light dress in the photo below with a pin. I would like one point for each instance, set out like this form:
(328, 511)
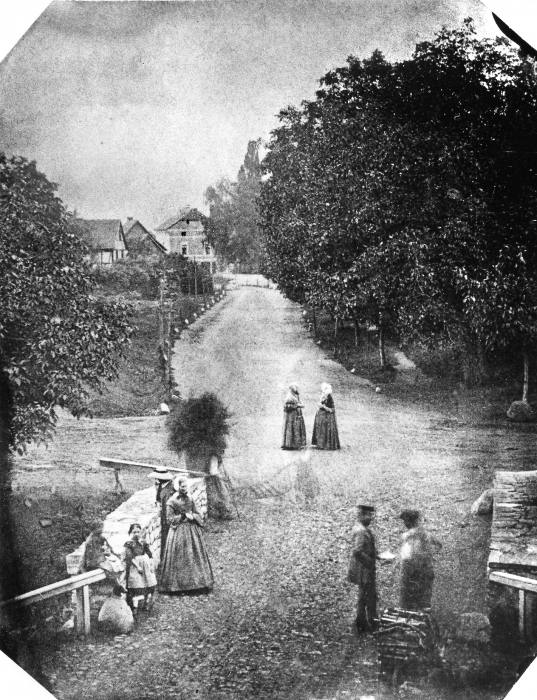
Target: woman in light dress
(325, 432)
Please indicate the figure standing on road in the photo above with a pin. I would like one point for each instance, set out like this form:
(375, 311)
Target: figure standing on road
(294, 428)
(186, 565)
(140, 576)
(325, 433)
(362, 569)
(164, 490)
(417, 563)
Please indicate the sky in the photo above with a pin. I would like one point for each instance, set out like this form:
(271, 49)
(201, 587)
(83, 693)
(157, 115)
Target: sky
(135, 108)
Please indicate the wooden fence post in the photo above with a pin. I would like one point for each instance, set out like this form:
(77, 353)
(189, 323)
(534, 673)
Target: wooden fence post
(83, 610)
(120, 484)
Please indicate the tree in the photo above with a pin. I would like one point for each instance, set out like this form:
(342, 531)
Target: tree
(394, 194)
(233, 223)
(57, 338)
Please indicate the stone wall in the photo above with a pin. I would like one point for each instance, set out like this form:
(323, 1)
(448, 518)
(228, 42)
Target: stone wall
(513, 545)
(139, 508)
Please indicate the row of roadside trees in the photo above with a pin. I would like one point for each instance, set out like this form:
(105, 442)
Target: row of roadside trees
(405, 196)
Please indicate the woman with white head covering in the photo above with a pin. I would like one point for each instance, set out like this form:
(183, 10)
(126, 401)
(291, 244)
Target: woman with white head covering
(185, 565)
(325, 433)
(294, 428)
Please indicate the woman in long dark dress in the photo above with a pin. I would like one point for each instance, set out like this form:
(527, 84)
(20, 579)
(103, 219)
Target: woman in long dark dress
(294, 428)
(325, 433)
(185, 565)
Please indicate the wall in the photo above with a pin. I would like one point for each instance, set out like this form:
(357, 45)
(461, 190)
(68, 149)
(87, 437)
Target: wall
(139, 508)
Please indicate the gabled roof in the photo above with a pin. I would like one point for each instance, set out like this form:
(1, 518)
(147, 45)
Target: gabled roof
(101, 234)
(156, 243)
(130, 223)
(186, 214)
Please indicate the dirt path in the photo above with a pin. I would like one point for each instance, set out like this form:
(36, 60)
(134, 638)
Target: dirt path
(278, 623)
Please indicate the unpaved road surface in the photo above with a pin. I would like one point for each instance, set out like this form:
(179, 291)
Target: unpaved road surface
(278, 624)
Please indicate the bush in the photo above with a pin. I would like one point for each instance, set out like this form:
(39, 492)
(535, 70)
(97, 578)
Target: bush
(140, 275)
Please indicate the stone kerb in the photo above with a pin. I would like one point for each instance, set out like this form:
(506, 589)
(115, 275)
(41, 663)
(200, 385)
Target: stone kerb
(139, 508)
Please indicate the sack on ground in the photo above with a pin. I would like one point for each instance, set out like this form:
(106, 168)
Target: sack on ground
(116, 616)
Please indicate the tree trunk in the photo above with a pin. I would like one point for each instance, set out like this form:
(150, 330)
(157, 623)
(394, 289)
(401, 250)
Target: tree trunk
(382, 348)
(314, 324)
(474, 367)
(525, 390)
(356, 332)
(195, 281)
(336, 336)
(161, 316)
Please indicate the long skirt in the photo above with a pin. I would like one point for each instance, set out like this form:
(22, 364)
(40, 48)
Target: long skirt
(416, 586)
(143, 582)
(325, 433)
(294, 431)
(219, 504)
(186, 565)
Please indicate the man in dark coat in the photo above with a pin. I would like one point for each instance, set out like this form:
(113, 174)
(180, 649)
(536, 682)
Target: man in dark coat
(164, 489)
(362, 569)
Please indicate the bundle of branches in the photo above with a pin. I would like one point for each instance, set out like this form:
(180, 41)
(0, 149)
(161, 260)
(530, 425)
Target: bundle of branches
(198, 428)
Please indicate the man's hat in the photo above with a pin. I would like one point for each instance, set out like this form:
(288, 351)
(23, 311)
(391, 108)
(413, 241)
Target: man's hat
(161, 473)
(366, 509)
(410, 514)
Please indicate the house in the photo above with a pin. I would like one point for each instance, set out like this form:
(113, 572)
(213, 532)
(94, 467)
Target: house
(184, 233)
(104, 237)
(140, 241)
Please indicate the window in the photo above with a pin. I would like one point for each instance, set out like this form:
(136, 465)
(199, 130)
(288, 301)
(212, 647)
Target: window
(207, 250)
(183, 233)
(184, 250)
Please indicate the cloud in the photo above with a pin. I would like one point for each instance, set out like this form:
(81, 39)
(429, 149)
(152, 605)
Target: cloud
(136, 107)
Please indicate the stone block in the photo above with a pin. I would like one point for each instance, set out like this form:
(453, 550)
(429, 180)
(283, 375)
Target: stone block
(484, 504)
(473, 627)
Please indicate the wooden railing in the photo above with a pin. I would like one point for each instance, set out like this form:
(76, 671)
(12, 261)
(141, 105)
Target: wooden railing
(79, 583)
(526, 602)
(118, 464)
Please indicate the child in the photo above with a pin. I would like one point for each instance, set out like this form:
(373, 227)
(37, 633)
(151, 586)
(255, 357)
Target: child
(140, 579)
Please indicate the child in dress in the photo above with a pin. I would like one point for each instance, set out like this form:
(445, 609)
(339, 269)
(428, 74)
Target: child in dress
(140, 579)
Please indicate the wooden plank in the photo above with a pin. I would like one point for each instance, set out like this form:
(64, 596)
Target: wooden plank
(520, 582)
(86, 609)
(122, 464)
(522, 614)
(79, 612)
(54, 589)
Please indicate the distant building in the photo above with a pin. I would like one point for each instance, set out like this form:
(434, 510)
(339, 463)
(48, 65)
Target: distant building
(104, 237)
(140, 241)
(184, 233)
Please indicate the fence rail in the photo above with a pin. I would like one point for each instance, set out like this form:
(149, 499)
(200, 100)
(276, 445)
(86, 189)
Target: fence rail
(79, 583)
(118, 464)
(526, 602)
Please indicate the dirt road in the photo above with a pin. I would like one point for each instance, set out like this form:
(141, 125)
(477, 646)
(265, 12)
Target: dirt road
(279, 621)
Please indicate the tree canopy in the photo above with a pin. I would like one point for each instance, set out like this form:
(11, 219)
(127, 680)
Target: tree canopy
(233, 228)
(404, 193)
(57, 338)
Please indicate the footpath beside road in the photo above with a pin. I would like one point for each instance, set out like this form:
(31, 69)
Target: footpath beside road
(278, 624)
